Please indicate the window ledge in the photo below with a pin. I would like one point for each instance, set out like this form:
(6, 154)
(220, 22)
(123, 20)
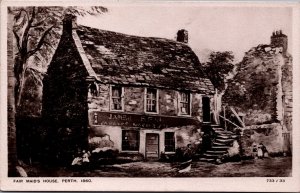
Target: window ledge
(127, 151)
(117, 110)
(153, 113)
(170, 152)
(184, 115)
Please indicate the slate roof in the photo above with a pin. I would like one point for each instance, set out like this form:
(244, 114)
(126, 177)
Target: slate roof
(145, 61)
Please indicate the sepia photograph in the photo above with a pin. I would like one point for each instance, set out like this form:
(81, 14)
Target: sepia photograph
(152, 90)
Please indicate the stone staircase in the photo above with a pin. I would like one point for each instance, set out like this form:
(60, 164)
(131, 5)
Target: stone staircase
(220, 143)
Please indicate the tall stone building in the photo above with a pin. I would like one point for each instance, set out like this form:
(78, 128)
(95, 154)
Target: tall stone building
(139, 95)
(262, 91)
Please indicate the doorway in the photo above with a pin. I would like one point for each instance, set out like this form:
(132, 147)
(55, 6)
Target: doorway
(206, 109)
(152, 146)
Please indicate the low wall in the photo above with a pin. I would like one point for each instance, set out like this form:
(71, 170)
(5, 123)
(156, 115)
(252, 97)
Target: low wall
(271, 135)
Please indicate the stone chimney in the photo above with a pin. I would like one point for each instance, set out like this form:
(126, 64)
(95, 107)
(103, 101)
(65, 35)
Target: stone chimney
(182, 36)
(279, 39)
(69, 23)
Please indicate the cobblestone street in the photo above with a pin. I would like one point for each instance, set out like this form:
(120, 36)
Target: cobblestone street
(269, 167)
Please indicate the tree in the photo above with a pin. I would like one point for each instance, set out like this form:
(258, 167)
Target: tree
(36, 31)
(218, 67)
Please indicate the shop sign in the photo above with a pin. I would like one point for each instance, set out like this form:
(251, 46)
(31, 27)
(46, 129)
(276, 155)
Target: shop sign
(136, 120)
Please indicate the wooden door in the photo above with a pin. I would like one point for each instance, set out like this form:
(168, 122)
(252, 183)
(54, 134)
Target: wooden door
(206, 109)
(152, 146)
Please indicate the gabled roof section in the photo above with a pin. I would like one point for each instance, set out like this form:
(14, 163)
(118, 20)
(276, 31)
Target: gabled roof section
(145, 61)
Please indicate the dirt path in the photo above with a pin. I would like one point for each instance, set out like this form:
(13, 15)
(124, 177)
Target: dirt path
(279, 167)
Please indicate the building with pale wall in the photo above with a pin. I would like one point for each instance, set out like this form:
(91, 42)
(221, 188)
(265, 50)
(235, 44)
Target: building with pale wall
(135, 94)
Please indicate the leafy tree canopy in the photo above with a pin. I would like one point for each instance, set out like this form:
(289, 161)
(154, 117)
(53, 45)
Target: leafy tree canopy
(37, 31)
(218, 67)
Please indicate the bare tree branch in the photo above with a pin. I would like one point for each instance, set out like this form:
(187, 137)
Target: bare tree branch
(17, 40)
(26, 13)
(38, 23)
(26, 32)
(32, 15)
(48, 44)
(40, 42)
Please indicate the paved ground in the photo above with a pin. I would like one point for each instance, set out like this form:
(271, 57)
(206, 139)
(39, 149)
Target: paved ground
(269, 167)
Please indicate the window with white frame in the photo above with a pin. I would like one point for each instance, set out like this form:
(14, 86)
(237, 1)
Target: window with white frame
(151, 100)
(116, 98)
(185, 104)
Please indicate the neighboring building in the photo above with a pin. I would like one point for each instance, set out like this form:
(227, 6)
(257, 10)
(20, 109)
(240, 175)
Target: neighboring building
(136, 94)
(262, 91)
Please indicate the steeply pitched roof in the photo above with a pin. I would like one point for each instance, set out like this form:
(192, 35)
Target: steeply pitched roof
(131, 60)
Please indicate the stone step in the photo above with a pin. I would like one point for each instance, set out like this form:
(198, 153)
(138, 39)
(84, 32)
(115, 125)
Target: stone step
(216, 152)
(224, 136)
(224, 133)
(215, 156)
(217, 128)
(215, 125)
(219, 147)
(203, 159)
(225, 141)
(219, 144)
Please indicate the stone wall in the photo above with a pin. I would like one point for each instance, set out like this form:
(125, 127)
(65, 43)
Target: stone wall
(65, 110)
(168, 102)
(197, 106)
(111, 137)
(134, 101)
(262, 90)
(259, 85)
(287, 89)
(268, 134)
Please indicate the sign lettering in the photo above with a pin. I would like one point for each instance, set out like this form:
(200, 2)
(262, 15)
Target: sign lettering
(143, 121)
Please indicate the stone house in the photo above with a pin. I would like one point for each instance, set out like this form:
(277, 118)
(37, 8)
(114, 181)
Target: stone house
(135, 94)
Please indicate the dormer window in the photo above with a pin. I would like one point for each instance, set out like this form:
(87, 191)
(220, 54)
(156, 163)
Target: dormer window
(117, 98)
(184, 103)
(151, 100)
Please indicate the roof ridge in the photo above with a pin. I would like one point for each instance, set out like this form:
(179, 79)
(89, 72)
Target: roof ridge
(137, 36)
(118, 58)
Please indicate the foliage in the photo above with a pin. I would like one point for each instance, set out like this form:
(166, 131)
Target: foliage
(218, 67)
(37, 31)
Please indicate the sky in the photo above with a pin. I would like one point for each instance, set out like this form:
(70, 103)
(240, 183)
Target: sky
(210, 28)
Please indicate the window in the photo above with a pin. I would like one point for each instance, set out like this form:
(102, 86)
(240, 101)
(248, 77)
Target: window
(130, 140)
(116, 98)
(93, 89)
(184, 103)
(169, 142)
(151, 100)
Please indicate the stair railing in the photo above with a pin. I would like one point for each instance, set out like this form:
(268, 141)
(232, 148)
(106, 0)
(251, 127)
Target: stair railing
(238, 118)
(230, 122)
